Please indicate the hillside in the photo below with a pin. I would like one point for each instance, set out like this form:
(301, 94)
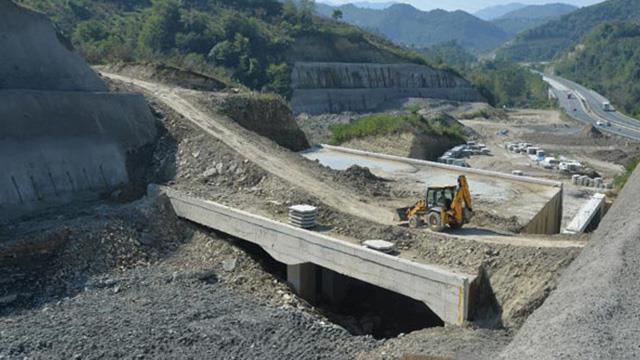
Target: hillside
(531, 16)
(494, 12)
(608, 60)
(544, 42)
(407, 25)
(254, 42)
(450, 53)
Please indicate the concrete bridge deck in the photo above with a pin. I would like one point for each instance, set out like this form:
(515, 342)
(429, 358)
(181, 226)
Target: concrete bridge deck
(444, 291)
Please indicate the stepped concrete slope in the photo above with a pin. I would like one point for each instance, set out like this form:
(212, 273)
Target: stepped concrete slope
(336, 87)
(595, 311)
(62, 136)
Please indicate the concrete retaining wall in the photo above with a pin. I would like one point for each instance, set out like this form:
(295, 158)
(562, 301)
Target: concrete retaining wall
(549, 219)
(57, 146)
(445, 292)
(336, 87)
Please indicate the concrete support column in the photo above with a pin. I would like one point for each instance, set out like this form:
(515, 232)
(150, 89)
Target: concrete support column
(302, 278)
(334, 285)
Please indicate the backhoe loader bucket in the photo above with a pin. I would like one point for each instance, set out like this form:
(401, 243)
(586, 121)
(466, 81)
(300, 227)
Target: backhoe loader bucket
(401, 213)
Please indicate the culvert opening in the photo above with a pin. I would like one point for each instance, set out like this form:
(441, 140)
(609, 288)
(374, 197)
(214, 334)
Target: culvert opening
(365, 309)
(359, 307)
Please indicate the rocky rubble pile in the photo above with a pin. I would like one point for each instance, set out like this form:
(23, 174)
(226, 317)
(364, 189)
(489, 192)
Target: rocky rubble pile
(364, 180)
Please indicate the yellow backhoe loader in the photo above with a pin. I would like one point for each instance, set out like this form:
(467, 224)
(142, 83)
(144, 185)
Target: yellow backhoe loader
(444, 206)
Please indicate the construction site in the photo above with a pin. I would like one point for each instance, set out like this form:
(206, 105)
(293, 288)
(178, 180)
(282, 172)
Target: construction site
(148, 211)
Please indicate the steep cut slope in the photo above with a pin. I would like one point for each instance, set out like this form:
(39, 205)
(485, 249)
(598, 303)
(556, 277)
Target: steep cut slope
(547, 41)
(338, 87)
(595, 311)
(405, 24)
(61, 135)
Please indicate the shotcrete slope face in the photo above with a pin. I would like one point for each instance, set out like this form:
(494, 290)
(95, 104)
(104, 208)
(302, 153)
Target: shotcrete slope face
(61, 136)
(595, 311)
(33, 57)
(336, 87)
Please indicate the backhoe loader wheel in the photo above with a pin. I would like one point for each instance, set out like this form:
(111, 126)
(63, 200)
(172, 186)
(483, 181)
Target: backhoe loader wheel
(415, 222)
(435, 222)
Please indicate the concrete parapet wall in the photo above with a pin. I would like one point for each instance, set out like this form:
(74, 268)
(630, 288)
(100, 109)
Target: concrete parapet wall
(444, 291)
(336, 87)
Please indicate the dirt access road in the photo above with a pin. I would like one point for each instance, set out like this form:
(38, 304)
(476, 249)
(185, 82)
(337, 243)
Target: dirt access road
(284, 164)
(294, 169)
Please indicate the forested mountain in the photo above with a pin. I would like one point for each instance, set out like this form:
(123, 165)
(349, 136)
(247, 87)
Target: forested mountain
(608, 60)
(252, 41)
(373, 5)
(450, 53)
(407, 25)
(501, 83)
(494, 12)
(550, 39)
(531, 16)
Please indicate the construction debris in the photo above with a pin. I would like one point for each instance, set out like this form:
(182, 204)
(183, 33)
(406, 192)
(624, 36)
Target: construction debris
(380, 245)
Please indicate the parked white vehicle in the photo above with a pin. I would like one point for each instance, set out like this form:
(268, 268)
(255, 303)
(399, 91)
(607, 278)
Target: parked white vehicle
(550, 163)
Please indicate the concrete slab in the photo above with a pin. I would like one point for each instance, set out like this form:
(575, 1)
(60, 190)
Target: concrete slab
(537, 203)
(444, 291)
(593, 208)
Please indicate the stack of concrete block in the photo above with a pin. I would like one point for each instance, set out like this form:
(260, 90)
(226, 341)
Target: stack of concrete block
(303, 216)
(575, 178)
(598, 182)
(584, 180)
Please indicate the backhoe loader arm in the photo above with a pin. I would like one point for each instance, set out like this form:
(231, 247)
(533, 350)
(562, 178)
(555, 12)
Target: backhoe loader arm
(463, 196)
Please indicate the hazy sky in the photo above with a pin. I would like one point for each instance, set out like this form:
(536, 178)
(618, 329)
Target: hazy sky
(467, 5)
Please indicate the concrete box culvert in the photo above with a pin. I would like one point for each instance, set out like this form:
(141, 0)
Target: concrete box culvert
(444, 291)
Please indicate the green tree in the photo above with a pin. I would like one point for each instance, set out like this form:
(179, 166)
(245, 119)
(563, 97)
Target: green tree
(158, 33)
(279, 76)
(337, 14)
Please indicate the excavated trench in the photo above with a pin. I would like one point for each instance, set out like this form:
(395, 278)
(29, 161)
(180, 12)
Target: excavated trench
(360, 308)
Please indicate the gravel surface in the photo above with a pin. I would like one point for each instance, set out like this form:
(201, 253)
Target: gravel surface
(595, 311)
(150, 313)
(132, 281)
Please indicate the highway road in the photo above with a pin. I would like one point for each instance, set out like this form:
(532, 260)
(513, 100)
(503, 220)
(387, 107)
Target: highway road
(585, 105)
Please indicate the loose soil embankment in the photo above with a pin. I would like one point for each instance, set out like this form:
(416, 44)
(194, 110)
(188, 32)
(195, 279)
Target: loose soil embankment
(594, 311)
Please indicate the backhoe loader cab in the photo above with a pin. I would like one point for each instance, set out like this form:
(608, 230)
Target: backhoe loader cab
(443, 206)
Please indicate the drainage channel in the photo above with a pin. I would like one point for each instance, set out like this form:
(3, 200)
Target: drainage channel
(358, 307)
